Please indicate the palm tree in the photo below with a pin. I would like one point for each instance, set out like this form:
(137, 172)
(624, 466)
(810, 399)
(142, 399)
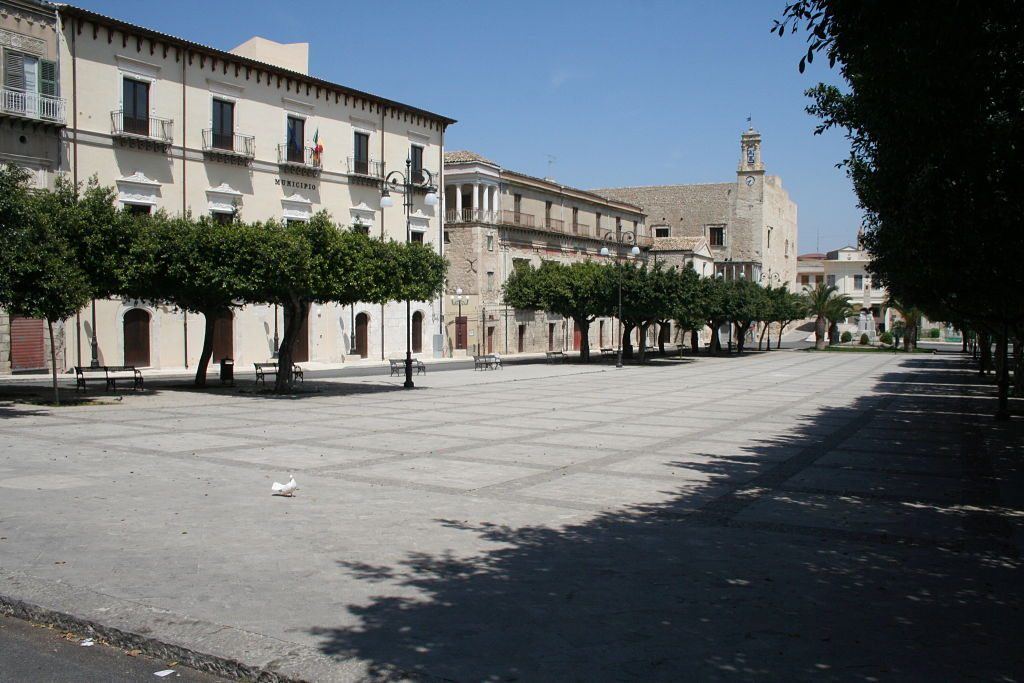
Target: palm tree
(911, 316)
(839, 308)
(817, 302)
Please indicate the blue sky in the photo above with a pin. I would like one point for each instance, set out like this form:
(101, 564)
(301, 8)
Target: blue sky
(619, 93)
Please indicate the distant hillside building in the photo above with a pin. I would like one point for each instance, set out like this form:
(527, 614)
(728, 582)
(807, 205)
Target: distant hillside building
(750, 224)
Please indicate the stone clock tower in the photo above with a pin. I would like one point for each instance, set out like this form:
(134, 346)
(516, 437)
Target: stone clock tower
(750, 154)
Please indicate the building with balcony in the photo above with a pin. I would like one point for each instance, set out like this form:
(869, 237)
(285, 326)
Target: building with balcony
(497, 219)
(183, 127)
(750, 224)
(32, 117)
(846, 269)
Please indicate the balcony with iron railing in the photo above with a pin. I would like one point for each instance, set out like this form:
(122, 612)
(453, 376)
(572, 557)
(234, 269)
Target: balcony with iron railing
(517, 218)
(304, 160)
(472, 216)
(365, 168)
(148, 129)
(33, 106)
(580, 228)
(233, 146)
(554, 224)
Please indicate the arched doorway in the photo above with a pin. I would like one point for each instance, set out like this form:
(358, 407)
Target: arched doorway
(136, 337)
(362, 324)
(223, 337)
(417, 332)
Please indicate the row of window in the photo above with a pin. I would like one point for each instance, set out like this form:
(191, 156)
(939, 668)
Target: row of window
(807, 280)
(136, 120)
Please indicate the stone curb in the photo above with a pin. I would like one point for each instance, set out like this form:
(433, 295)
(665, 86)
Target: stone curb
(213, 648)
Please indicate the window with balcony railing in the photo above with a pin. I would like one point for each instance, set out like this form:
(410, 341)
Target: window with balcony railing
(30, 88)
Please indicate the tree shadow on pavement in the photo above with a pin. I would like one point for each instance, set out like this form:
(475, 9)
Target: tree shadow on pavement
(832, 553)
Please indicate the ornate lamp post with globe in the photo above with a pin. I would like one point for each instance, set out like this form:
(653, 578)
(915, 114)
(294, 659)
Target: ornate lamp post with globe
(408, 183)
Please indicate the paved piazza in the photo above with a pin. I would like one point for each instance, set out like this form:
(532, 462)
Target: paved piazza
(791, 515)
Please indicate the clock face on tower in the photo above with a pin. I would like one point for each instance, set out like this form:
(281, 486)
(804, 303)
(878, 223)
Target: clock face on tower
(750, 181)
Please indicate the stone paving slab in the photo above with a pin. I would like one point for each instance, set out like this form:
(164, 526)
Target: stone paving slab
(771, 516)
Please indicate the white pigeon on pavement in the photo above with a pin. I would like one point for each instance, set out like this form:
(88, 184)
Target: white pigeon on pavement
(285, 489)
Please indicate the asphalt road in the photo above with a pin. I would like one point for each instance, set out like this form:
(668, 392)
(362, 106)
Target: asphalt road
(35, 654)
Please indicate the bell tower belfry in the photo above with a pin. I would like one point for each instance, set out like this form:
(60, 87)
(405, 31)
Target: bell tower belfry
(750, 152)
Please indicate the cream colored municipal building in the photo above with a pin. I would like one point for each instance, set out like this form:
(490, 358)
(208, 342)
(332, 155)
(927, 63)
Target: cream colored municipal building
(183, 127)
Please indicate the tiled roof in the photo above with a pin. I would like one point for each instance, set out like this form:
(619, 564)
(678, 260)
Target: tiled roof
(811, 257)
(464, 156)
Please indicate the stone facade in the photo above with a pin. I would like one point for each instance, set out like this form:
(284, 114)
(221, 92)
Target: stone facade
(750, 224)
(497, 218)
(32, 116)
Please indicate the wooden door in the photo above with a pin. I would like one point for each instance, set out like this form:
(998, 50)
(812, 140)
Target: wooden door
(27, 350)
(417, 332)
(522, 338)
(461, 331)
(551, 336)
(223, 337)
(136, 338)
(362, 325)
(577, 337)
(300, 350)
(490, 340)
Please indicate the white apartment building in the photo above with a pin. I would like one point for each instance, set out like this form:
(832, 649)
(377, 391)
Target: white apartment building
(846, 270)
(184, 127)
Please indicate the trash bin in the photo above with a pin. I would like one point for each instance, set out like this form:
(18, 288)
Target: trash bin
(227, 371)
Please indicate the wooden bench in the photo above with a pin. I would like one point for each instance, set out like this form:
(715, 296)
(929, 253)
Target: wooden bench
(398, 366)
(264, 369)
(110, 375)
(554, 356)
(608, 353)
(487, 362)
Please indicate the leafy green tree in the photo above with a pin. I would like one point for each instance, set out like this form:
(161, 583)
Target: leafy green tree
(746, 304)
(935, 148)
(649, 294)
(817, 305)
(788, 308)
(582, 291)
(41, 274)
(688, 310)
(714, 297)
(198, 265)
(911, 316)
(303, 263)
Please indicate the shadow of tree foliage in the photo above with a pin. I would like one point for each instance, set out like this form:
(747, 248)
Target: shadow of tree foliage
(842, 551)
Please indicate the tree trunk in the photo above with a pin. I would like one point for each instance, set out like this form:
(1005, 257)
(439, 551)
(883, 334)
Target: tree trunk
(963, 341)
(53, 363)
(204, 357)
(1018, 367)
(985, 349)
(760, 340)
(833, 333)
(820, 330)
(716, 342)
(661, 338)
(694, 341)
(295, 316)
(626, 342)
(1003, 409)
(782, 326)
(583, 325)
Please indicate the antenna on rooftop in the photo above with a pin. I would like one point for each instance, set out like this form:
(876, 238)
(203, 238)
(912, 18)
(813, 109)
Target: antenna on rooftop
(551, 162)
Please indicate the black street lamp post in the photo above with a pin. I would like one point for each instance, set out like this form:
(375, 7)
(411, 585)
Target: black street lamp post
(620, 239)
(408, 182)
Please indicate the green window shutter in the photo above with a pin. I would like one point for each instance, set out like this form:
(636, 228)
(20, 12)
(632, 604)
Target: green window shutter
(14, 70)
(47, 77)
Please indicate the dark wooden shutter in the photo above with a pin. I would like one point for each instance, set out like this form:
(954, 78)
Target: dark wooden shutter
(14, 70)
(27, 350)
(47, 78)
